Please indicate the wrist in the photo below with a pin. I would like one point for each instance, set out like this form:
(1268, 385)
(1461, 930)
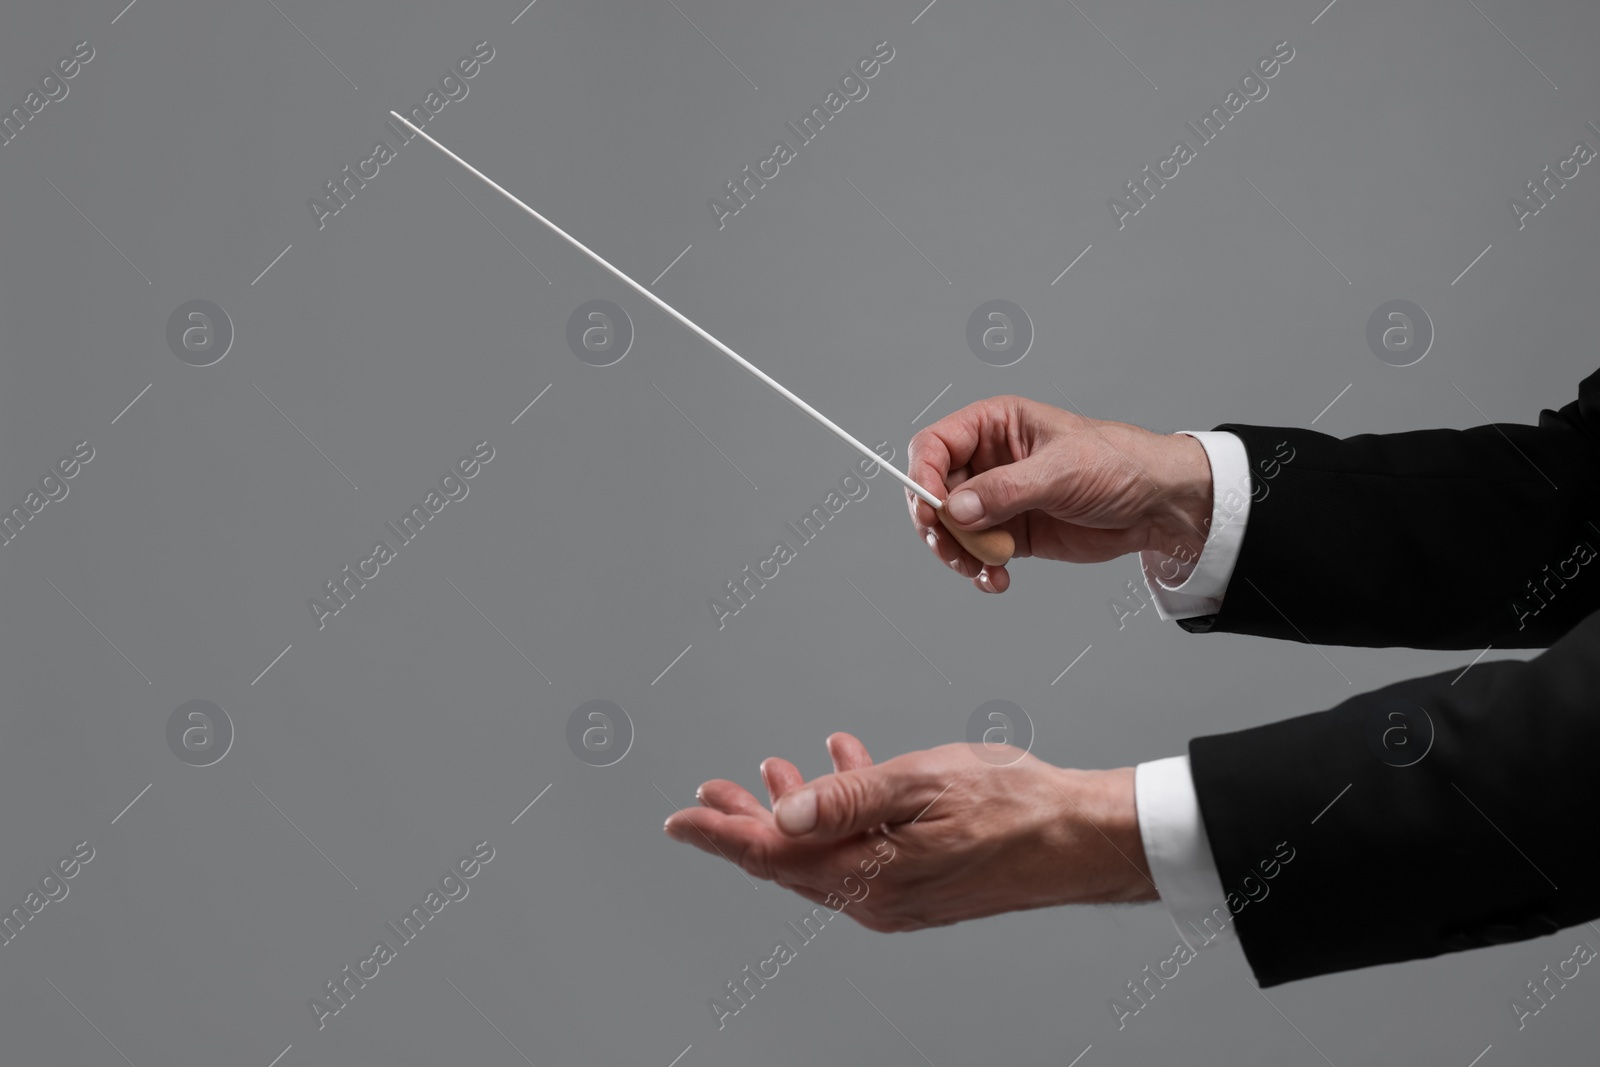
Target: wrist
(1182, 514)
(1102, 845)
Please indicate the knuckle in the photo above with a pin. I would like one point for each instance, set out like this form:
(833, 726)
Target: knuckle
(754, 860)
(1003, 490)
(847, 802)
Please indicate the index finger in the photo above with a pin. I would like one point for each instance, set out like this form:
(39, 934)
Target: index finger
(954, 442)
(937, 459)
(928, 463)
(940, 541)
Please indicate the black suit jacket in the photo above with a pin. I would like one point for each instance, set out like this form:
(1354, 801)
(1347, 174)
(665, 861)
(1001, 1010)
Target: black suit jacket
(1469, 817)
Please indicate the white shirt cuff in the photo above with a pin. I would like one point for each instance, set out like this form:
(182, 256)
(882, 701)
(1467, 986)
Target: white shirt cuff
(1197, 587)
(1179, 855)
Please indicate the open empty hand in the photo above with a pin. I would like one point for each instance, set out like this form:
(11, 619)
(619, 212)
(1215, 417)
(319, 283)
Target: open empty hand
(929, 838)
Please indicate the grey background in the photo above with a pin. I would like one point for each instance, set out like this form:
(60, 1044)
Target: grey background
(408, 329)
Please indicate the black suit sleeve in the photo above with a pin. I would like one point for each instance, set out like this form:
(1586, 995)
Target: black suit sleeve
(1484, 839)
(1425, 539)
(1440, 813)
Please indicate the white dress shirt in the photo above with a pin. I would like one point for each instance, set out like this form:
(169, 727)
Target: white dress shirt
(1175, 844)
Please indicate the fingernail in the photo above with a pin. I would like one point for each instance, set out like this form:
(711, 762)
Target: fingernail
(671, 830)
(964, 506)
(955, 565)
(933, 540)
(983, 580)
(797, 812)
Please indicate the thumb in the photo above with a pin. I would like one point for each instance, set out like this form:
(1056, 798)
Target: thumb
(997, 494)
(850, 802)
